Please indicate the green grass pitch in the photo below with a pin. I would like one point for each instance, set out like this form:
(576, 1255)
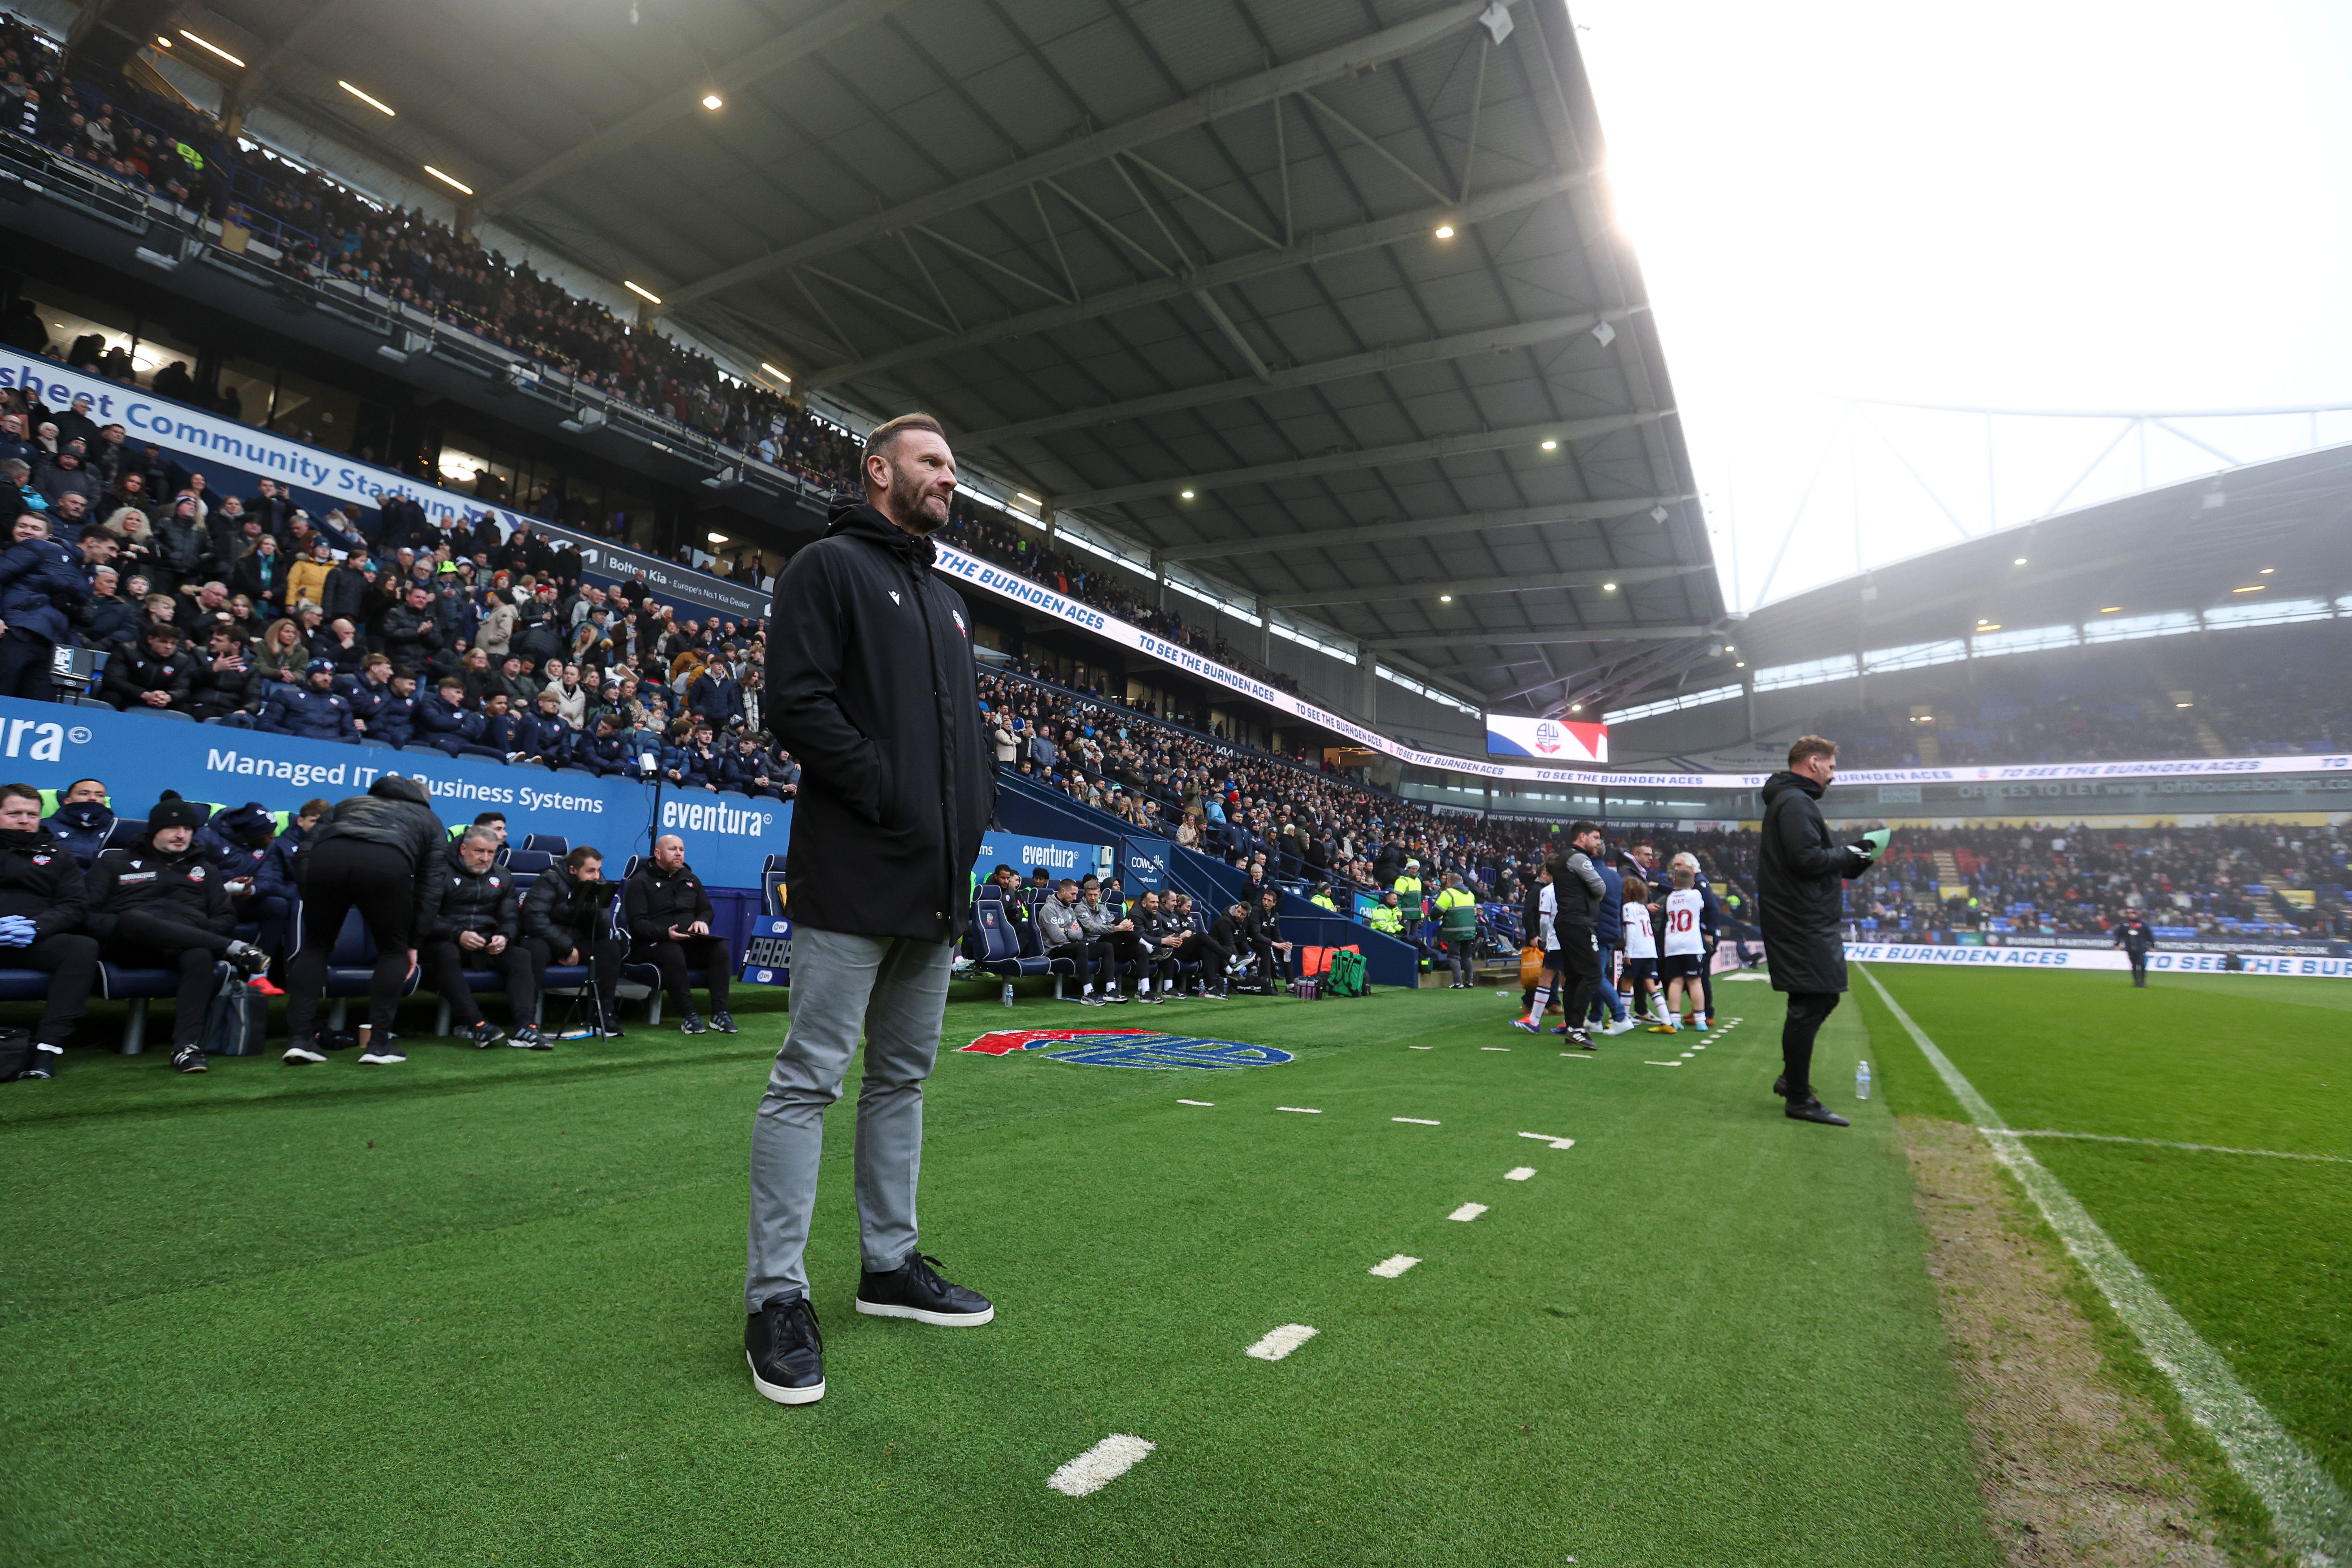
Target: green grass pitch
(485, 1307)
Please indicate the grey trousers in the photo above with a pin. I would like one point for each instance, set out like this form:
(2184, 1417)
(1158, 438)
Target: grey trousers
(896, 989)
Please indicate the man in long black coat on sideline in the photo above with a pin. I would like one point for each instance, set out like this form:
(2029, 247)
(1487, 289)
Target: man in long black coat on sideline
(873, 686)
(1801, 879)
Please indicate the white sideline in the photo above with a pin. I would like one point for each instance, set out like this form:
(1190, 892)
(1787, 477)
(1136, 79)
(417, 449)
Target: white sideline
(1281, 1341)
(1416, 1121)
(1467, 1212)
(1389, 1267)
(1547, 1137)
(1100, 1466)
(2169, 1143)
(2312, 1515)
(1519, 1173)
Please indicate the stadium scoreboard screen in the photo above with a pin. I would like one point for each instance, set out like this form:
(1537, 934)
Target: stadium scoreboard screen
(1547, 739)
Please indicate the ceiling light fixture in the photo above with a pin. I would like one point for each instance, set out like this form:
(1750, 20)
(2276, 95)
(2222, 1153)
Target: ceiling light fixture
(368, 98)
(1608, 587)
(718, 539)
(2268, 570)
(1988, 625)
(1605, 334)
(1188, 495)
(2184, 705)
(771, 370)
(1739, 664)
(1657, 514)
(450, 181)
(2018, 561)
(1444, 598)
(640, 291)
(215, 48)
(1025, 495)
(712, 100)
(2109, 609)
(1551, 445)
(162, 42)
(1576, 707)
(2253, 588)
(1445, 231)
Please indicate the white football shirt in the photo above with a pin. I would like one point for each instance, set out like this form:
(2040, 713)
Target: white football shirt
(1682, 907)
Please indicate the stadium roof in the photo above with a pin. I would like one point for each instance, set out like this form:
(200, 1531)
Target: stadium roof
(1320, 299)
(2253, 541)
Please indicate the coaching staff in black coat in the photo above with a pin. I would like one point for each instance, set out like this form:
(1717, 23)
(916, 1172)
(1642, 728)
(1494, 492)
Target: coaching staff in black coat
(667, 911)
(871, 685)
(42, 904)
(1800, 890)
(376, 853)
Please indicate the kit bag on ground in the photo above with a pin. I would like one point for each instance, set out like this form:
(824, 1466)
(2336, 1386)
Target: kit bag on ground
(1347, 973)
(16, 1054)
(237, 1021)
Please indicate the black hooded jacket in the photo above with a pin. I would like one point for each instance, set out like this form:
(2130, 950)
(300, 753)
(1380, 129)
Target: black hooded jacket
(1800, 887)
(871, 686)
(40, 880)
(396, 813)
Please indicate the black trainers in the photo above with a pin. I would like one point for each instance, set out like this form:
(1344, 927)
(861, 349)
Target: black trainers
(1810, 1108)
(45, 1062)
(382, 1055)
(248, 959)
(527, 1038)
(724, 1023)
(1088, 999)
(1581, 1040)
(190, 1059)
(1115, 997)
(692, 1023)
(914, 1289)
(485, 1034)
(614, 1032)
(786, 1351)
(302, 1052)
(1781, 1086)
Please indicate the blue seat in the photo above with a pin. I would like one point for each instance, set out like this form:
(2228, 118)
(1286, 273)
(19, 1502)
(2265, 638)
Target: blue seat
(1033, 949)
(772, 893)
(528, 862)
(553, 844)
(119, 983)
(998, 944)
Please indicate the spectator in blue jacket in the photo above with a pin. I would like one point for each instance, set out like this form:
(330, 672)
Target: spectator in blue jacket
(711, 765)
(41, 587)
(747, 767)
(1609, 934)
(310, 711)
(395, 714)
(273, 884)
(714, 695)
(442, 721)
(543, 737)
(607, 749)
(503, 730)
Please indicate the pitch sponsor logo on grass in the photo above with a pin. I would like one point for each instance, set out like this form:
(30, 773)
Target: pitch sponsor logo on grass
(1147, 1048)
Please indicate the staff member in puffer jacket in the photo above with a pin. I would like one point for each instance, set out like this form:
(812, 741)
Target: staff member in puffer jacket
(667, 914)
(872, 684)
(41, 905)
(366, 854)
(568, 919)
(476, 919)
(159, 903)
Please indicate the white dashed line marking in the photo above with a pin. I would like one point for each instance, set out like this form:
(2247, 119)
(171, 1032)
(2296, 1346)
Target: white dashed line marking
(1196, 1102)
(1650, 1064)
(1547, 1137)
(1416, 1121)
(1281, 1341)
(1494, 1047)
(1467, 1212)
(1420, 1047)
(1100, 1466)
(1299, 1109)
(1518, 1172)
(1389, 1267)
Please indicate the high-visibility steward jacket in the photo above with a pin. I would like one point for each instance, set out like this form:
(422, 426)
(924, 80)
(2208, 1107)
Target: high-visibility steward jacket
(1408, 890)
(1386, 920)
(1323, 901)
(1457, 914)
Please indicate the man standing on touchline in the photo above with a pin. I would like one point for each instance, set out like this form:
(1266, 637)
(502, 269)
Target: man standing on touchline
(872, 685)
(1801, 878)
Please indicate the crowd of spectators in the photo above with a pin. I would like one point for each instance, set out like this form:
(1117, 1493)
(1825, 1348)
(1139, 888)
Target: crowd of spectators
(2254, 692)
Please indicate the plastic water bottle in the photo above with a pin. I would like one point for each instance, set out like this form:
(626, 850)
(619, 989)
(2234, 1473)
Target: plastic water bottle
(1008, 993)
(1861, 1080)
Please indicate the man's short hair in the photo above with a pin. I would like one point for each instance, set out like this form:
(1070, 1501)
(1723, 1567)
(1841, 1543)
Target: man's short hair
(369, 662)
(79, 782)
(581, 856)
(20, 792)
(885, 436)
(163, 631)
(490, 816)
(1812, 746)
(479, 834)
(1579, 830)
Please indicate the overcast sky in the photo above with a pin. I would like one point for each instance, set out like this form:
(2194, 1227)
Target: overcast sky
(2074, 206)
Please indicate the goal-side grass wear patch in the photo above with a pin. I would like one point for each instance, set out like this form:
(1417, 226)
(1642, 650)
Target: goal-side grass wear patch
(544, 1257)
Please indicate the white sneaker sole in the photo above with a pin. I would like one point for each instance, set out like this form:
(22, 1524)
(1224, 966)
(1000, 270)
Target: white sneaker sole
(940, 1319)
(778, 1392)
(296, 1058)
(372, 1059)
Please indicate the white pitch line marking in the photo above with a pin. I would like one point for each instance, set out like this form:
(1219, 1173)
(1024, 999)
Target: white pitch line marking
(1579, 1056)
(1100, 1466)
(1651, 1064)
(1389, 1267)
(1416, 1121)
(1196, 1102)
(1467, 1212)
(2312, 1515)
(1420, 1047)
(1547, 1137)
(1687, 1055)
(1518, 1172)
(1299, 1109)
(1281, 1341)
(2169, 1143)
(1494, 1047)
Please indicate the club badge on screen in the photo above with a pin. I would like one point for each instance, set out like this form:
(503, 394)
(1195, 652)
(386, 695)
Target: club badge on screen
(1148, 1048)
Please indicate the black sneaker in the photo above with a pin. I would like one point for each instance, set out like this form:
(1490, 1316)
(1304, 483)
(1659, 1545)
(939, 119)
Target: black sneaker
(692, 1023)
(1115, 997)
(914, 1289)
(786, 1351)
(724, 1023)
(1151, 998)
(1810, 1108)
(1581, 1041)
(1781, 1086)
(248, 959)
(614, 1032)
(45, 1062)
(1088, 999)
(189, 1058)
(527, 1038)
(302, 1052)
(485, 1034)
(382, 1055)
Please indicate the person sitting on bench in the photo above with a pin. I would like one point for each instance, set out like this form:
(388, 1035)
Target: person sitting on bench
(667, 914)
(474, 917)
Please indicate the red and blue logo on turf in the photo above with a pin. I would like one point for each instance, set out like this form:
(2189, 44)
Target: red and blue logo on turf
(1128, 1048)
